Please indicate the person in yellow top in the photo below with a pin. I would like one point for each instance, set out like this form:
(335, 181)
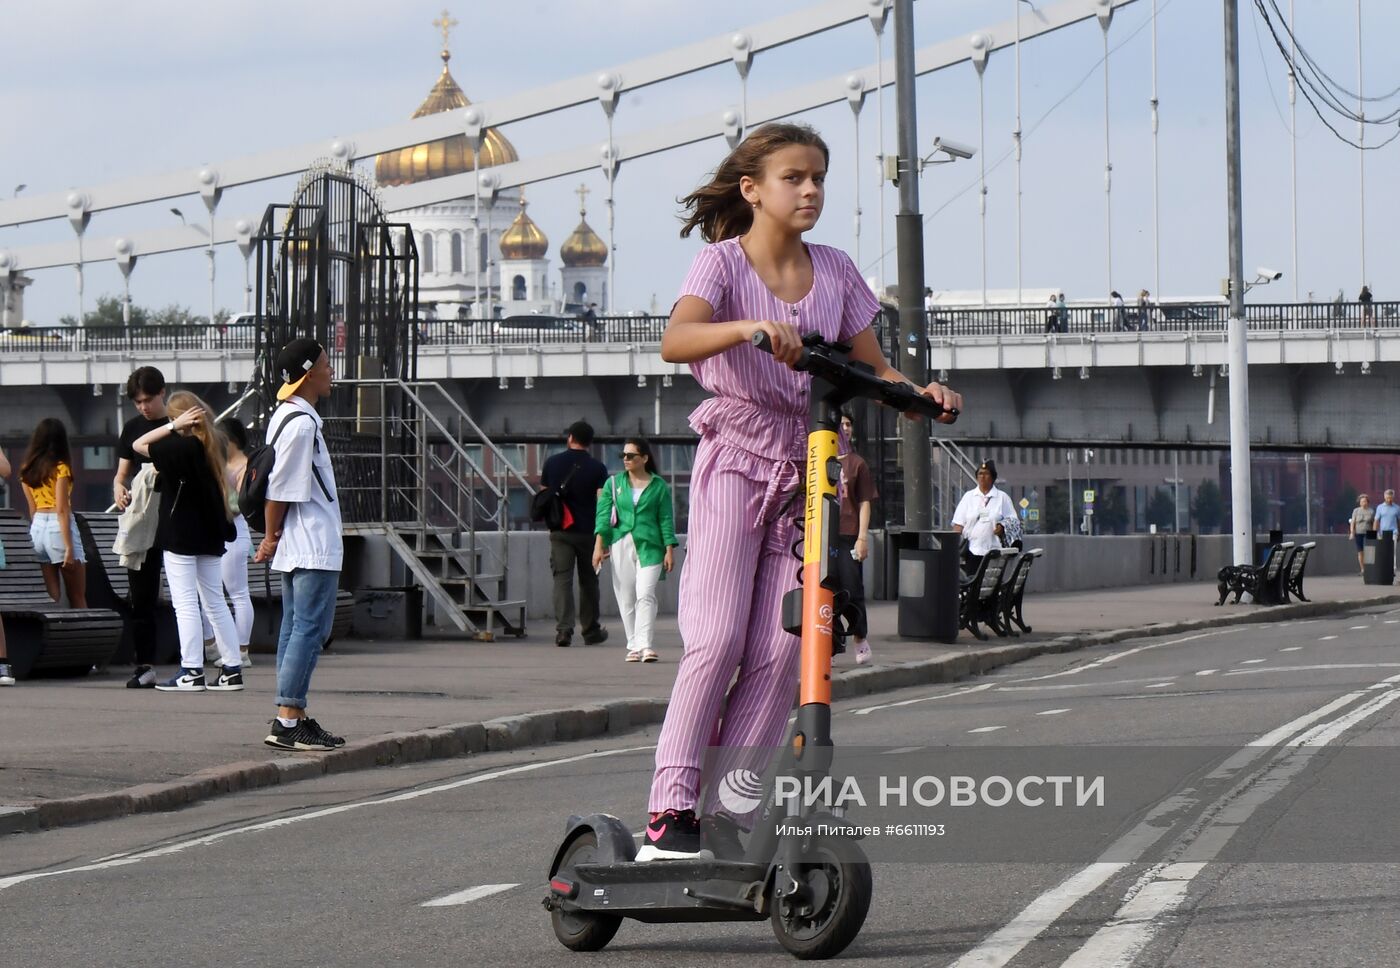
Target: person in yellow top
(47, 476)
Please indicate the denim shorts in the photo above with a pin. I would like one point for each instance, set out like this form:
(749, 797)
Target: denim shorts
(48, 539)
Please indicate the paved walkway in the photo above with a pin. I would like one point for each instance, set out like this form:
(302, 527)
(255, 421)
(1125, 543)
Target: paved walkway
(69, 738)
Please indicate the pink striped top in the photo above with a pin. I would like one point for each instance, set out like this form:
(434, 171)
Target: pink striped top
(760, 405)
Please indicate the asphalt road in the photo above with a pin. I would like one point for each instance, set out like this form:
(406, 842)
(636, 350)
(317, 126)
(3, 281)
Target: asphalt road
(1279, 848)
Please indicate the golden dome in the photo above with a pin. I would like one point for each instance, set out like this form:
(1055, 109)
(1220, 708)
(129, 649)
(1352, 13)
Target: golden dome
(523, 240)
(583, 248)
(449, 156)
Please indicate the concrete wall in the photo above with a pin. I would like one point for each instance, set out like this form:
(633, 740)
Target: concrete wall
(1070, 563)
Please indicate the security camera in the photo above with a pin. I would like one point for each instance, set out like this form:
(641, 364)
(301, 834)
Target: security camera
(953, 148)
(1273, 275)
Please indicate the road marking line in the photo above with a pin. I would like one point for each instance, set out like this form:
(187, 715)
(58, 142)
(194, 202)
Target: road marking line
(1326, 667)
(1079, 685)
(1164, 888)
(1292, 648)
(1159, 685)
(214, 838)
(1327, 638)
(1357, 628)
(986, 729)
(1052, 712)
(909, 702)
(470, 894)
(1207, 672)
(1251, 661)
(1007, 942)
(1392, 621)
(902, 749)
(1125, 653)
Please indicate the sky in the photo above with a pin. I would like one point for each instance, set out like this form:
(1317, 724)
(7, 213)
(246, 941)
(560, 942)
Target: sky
(98, 91)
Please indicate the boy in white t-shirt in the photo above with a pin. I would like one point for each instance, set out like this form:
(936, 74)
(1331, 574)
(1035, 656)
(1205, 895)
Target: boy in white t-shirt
(302, 540)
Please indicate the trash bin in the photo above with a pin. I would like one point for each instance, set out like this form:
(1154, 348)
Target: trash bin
(1378, 559)
(1261, 548)
(928, 584)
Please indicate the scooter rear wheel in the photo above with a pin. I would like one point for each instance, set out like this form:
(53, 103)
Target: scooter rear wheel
(582, 930)
(838, 891)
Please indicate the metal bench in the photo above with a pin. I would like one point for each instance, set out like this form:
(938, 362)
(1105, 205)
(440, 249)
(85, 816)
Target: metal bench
(1013, 590)
(41, 635)
(1265, 583)
(1293, 573)
(979, 595)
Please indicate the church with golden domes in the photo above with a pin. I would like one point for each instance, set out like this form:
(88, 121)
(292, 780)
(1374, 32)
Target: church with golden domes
(487, 260)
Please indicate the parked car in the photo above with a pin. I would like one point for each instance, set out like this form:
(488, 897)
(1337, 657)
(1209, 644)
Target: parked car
(538, 327)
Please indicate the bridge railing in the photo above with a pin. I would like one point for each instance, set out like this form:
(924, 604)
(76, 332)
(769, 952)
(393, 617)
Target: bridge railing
(943, 324)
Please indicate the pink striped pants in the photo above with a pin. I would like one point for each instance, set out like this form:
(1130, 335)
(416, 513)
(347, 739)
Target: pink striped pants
(738, 566)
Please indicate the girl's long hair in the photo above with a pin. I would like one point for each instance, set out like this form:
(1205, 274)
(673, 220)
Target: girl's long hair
(47, 449)
(207, 434)
(718, 208)
(644, 449)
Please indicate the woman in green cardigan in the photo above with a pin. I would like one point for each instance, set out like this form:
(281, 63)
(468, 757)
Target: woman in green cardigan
(636, 530)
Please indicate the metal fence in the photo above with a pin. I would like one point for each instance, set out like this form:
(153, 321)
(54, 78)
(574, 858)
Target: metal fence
(943, 324)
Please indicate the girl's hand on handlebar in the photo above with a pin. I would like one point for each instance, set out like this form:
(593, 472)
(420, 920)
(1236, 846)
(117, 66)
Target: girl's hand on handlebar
(945, 397)
(786, 340)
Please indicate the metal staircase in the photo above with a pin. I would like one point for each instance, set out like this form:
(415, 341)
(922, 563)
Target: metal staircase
(414, 479)
(951, 473)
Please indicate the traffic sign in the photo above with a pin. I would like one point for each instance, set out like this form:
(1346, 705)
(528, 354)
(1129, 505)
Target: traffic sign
(1033, 514)
(1088, 497)
(1025, 503)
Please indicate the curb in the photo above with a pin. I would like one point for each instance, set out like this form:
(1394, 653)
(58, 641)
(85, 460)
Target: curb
(581, 722)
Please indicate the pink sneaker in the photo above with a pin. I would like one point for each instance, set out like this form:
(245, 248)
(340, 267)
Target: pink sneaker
(863, 652)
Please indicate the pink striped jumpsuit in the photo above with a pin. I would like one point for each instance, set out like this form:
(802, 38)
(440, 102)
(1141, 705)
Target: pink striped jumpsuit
(739, 561)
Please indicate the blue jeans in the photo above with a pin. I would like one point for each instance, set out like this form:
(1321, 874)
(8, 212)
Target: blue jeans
(308, 608)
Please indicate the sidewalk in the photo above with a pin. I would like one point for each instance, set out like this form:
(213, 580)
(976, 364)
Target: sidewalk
(73, 750)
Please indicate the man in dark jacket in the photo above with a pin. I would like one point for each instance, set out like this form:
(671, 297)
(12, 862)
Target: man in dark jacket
(577, 478)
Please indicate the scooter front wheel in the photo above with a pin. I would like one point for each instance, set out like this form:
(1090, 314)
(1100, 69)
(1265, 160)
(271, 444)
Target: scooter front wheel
(582, 930)
(829, 911)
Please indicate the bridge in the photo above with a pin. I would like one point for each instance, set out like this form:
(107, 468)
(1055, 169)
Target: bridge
(1095, 384)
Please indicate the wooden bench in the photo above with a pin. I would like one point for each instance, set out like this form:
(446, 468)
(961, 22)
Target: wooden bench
(979, 596)
(1265, 583)
(264, 586)
(41, 635)
(1013, 590)
(109, 586)
(1293, 573)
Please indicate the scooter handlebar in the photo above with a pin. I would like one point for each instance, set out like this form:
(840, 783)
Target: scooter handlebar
(831, 363)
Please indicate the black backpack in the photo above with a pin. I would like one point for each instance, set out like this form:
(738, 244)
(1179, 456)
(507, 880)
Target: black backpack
(252, 490)
(547, 505)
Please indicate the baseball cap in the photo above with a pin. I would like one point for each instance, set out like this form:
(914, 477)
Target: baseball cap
(293, 363)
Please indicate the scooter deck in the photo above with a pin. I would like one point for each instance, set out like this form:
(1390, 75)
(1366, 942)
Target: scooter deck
(670, 890)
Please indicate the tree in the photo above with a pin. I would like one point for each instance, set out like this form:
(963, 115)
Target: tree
(1111, 512)
(108, 313)
(1208, 508)
(1160, 510)
(1054, 513)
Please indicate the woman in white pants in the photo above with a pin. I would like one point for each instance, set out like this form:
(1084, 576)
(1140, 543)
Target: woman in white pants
(234, 564)
(636, 530)
(195, 524)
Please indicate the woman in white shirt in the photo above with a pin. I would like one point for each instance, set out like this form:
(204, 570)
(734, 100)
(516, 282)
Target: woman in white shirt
(982, 513)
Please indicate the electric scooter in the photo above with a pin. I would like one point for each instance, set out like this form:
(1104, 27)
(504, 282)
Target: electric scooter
(814, 889)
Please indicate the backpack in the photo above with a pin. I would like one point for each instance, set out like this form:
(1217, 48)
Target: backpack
(252, 490)
(548, 505)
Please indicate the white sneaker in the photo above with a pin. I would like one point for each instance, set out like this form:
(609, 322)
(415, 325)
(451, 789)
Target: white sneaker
(863, 652)
(189, 680)
(7, 675)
